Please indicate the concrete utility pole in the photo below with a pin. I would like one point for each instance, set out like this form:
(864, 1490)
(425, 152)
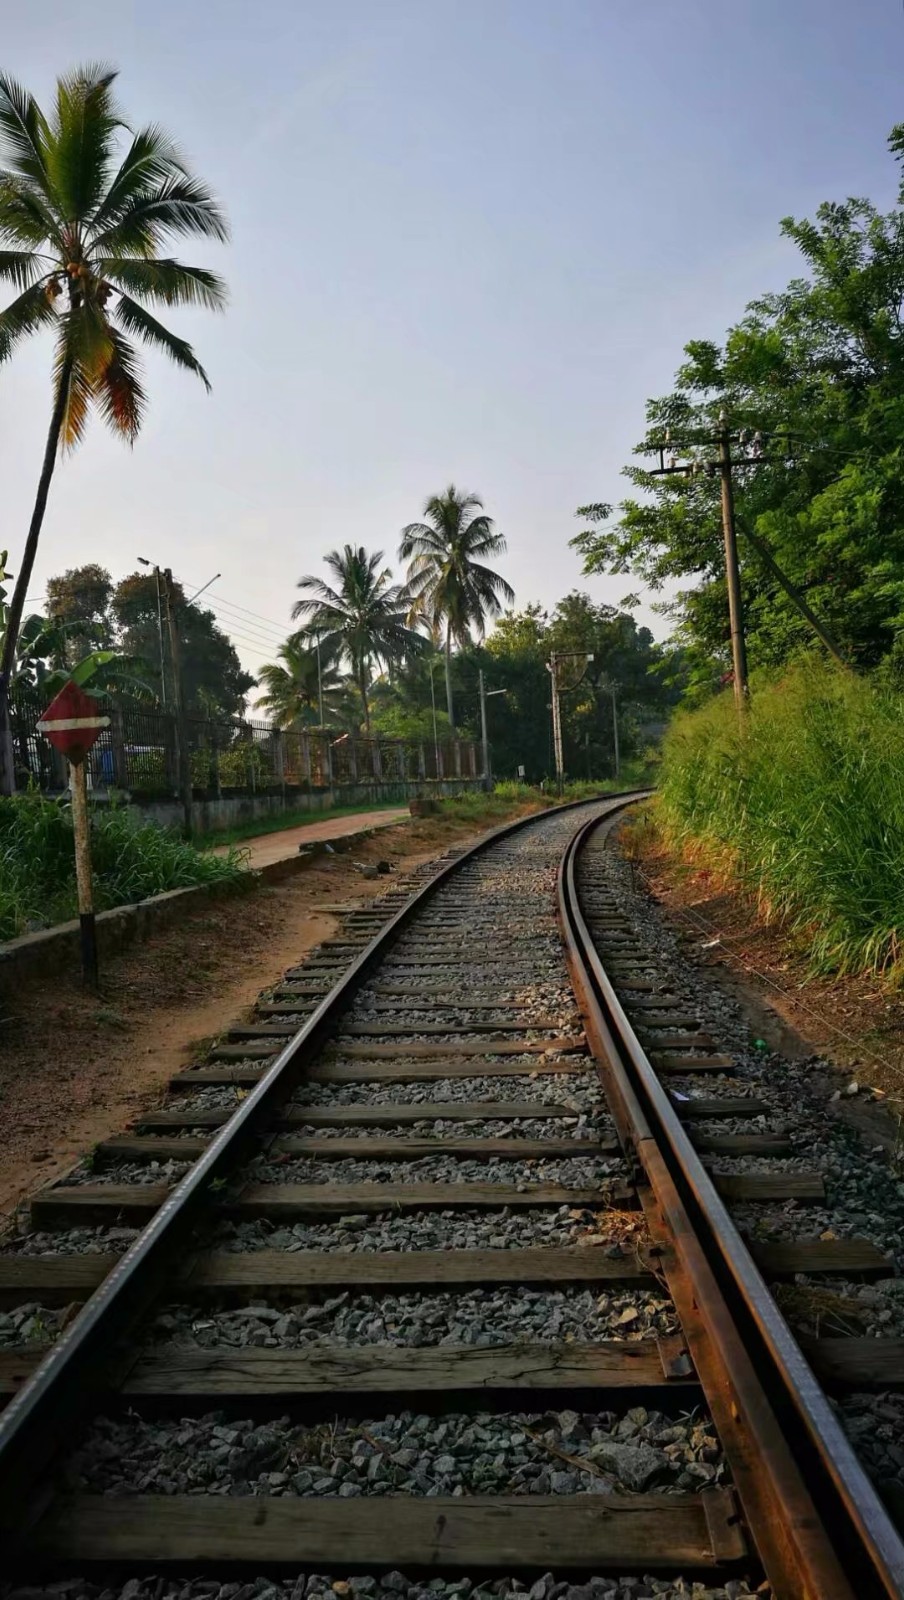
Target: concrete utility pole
(732, 571)
(183, 757)
(753, 454)
(485, 695)
(615, 751)
(552, 667)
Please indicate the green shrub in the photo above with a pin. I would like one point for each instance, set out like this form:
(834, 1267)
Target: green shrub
(131, 860)
(804, 806)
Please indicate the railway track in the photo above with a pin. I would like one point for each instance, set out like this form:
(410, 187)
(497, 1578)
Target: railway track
(426, 1281)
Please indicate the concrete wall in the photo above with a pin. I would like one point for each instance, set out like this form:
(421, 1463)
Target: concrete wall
(209, 816)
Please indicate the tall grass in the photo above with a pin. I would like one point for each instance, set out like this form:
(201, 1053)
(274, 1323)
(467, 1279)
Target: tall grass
(804, 807)
(131, 860)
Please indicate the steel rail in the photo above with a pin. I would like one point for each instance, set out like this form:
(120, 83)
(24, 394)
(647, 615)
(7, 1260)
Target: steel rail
(91, 1354)
(817, 1521)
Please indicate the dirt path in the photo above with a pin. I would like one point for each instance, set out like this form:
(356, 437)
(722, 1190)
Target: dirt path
(264, 848)
(76, 1068)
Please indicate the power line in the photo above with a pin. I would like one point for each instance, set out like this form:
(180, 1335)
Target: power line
(231, 605)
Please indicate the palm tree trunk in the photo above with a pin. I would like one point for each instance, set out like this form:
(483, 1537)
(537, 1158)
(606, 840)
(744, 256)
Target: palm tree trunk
(449, 702)
(362, 685)
(23, 579)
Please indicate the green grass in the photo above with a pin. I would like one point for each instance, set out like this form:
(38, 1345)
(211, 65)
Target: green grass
(255, 827)
(804, 808)
(131, 861)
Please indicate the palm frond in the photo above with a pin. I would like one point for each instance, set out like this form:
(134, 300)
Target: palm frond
(166, 280)
(30, 311)
(136, 320)
(70, 378)
(23, 132)
(25, 219)
(179, 205)
(118, 391)
(492, 589)
(22, 267)
(80, 143)
(151, 159)
(320, 596)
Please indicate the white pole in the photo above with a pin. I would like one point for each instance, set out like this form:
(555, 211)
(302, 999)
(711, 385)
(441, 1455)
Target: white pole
(485, 751)
(435, 738)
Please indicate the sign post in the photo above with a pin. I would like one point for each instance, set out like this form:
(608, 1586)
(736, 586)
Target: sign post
(72, 724)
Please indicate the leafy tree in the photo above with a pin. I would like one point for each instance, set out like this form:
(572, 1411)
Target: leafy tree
(818, 371)
(80, 598)
(213, 679)
(85, 216)
(451, 588)
(363, 618)
(294, 684)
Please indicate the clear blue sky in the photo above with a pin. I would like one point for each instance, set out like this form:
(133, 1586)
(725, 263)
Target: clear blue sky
(470, 239)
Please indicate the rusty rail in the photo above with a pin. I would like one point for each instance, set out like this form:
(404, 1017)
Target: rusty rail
(815, 1518)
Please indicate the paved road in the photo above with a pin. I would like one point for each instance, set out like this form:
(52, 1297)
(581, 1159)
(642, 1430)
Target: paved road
(265, 848)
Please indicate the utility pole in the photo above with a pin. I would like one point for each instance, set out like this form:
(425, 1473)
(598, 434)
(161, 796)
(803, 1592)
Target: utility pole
(484, 747)
(319, 680)
(485, 695)
(143, 562)
(183, 758)
(552, 667)
(753, 454)
(615, 731)
(732, 571)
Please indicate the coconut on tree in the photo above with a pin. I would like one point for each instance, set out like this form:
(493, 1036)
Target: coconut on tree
(363, 618)
(452, 590)
(88, 208)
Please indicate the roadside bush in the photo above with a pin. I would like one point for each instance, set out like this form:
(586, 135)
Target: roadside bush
(804, 807)
(132, 861)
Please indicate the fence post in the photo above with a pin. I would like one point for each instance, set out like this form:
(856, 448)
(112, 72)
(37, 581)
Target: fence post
(120, 775)
(279, 760)
(473, 755)
(457, 757)
(421, 763)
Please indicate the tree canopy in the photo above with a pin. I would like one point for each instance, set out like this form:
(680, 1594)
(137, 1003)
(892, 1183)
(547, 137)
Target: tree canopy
(452, 590)
(817, 370)
(362, 619)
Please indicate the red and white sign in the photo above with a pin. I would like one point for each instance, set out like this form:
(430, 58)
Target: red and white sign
(72, 722)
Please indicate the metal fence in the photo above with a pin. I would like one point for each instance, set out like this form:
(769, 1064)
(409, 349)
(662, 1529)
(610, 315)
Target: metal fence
(139, 753)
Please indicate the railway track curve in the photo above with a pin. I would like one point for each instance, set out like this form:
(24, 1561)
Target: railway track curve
(433, 1289)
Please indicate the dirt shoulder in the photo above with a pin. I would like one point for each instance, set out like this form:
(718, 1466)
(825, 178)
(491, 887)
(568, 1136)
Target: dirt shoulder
(76, 1068)
(856, 1023)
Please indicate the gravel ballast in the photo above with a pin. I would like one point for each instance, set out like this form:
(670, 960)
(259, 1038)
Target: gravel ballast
(638, 1451)
(483, 1318)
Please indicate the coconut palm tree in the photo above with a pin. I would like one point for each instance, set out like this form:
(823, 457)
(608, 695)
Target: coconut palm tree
(363, 618)
(86, 209)
(451, 589)
(294, 684)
